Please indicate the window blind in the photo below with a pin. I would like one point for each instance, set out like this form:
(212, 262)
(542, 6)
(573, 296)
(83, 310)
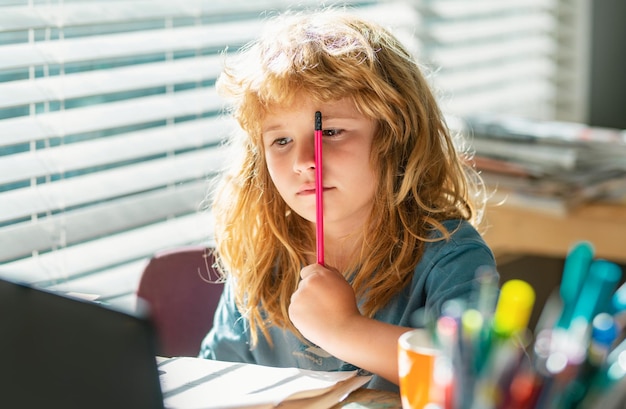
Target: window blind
(110, 126)
(110, 129)
(491, 56)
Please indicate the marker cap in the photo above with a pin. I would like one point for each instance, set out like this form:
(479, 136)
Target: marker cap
(514, 307)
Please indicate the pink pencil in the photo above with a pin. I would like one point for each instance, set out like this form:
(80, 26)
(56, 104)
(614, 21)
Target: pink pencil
(319, 189)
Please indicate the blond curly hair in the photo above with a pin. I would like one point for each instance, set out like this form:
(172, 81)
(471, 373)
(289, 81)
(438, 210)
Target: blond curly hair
(424, 179)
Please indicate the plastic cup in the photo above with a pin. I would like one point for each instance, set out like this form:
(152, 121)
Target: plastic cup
(424, 375)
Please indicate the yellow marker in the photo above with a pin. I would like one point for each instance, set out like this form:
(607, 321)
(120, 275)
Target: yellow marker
(513, 309)
(472, 323)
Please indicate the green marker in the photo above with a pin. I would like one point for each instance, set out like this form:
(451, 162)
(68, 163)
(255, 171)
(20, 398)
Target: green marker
(596, 294)
(575, 272)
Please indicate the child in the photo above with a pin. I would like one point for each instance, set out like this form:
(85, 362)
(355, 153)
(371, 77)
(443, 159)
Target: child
(399, 201)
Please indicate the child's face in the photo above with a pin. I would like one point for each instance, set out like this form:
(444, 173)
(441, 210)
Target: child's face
(348, 177)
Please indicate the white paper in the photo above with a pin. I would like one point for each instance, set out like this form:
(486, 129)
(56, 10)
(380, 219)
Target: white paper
(196, 383)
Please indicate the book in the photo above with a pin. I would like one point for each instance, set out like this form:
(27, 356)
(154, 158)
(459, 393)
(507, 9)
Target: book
(548, 166)
(197, 383)
(554, 195)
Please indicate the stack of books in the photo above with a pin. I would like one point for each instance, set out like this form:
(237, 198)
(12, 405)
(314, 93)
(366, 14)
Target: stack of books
(547, 165)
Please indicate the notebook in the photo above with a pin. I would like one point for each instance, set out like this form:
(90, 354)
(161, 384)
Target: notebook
(60, 351)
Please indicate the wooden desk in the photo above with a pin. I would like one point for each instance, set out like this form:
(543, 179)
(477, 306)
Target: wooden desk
(511, 230)
(370, 399)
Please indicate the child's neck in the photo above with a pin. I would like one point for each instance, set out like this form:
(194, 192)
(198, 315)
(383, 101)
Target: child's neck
(340, 252)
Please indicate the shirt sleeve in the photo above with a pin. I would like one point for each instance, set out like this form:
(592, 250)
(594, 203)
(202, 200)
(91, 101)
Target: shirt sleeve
(228, 339)
(449, 267)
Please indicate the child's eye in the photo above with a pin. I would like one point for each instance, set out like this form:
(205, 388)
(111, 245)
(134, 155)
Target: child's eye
(281, 141)
(332, 132)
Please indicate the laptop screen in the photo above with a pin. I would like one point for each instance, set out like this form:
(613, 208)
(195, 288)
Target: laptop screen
(64, 352)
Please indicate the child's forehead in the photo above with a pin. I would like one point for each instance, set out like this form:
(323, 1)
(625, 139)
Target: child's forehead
(289, 94)
(298, 101)
(342, 107)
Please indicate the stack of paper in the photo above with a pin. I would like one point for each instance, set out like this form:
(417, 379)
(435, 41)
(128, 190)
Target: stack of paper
(194, 383)
(548, 166)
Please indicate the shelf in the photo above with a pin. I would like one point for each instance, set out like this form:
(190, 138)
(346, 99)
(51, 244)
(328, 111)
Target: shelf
(514, 230)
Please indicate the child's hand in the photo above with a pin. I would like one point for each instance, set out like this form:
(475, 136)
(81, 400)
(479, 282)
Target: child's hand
(323, 305)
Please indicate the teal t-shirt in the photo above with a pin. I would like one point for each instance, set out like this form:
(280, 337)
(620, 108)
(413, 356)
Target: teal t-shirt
(447, 270)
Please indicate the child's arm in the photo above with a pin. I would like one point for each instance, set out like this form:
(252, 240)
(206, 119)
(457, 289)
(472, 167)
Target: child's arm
(324, 309)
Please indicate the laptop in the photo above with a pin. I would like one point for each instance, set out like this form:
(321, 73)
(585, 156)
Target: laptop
(60, 351)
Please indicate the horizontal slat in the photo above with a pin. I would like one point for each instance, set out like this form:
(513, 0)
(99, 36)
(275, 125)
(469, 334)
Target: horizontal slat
(114, 149)
(132, 44)
(102, 82)
(115, 283)
(451, 9)
(68, 228)
(81, 218)
(467, 55)
(505, 72)
(93, 12)
(109, 184)
(395, 14)
(89, 258)
(531, 99)
(477, 29)
(213, 36)
(108, 116)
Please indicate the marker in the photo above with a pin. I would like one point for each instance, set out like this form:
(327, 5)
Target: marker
(523, 391)
(575, 271)
(447, 330)
(471, 326)
(319, 190)
(618, 302)
(487, 280)
(506, 344)
(618, 306)
(485, 303)
(515, 304)
(610, 377)
(550, 313)
(453, 308)
(616, 362)
(569, 346)
(510, 337)
(472, 322)
(595, 296)
(603, 335)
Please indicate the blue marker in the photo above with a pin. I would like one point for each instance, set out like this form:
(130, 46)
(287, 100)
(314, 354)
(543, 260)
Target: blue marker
(569, 344)
(596, 294)
(618, 306)
(618, 302)
(575, 271)
(612, 372)
(603, 335)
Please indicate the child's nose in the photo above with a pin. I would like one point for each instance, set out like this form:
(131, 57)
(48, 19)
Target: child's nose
(305, 156)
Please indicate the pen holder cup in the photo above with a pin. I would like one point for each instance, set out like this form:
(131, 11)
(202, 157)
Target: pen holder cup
(425, 373)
